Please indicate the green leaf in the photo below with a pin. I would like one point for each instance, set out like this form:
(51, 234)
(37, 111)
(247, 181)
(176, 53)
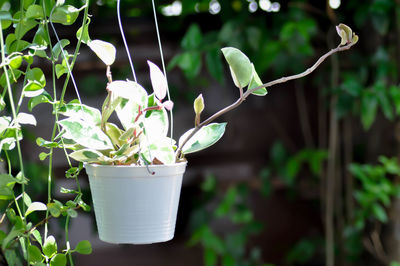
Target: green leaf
(42, 98)
(240, 65)
(58, 47)
(35, 255)
(12, 77)
(11, 257)
(22, 28)
(214, 65)
(85, 34)
(50, 246)
(84, 247)
(35, 206)
(61, 69)
(114, 133)
(209, 184)
(189, 62)
(379, 212)
(192, 38)
(35, 12)
(7, 180)
(384, 100)
(37, 236)
(228, 260)
(47, 144)
(27, 199)
(104, 50)
(41, 39)
(36, 74)
(204, 138)
(43, 156)
(68, 191)
(27, 3)
(59, 260)
(369, 106)
(87, 135)
(65, 15)
(54, 209)
(6, 19)
(72, 213)
(228, 202)
(16, 62)
(6, 185)
(210, 257)
(33, 88)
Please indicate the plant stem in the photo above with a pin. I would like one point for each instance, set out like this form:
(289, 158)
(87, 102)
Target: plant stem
(14, 113)
(244, 96)
(50, 169)
(71, 262)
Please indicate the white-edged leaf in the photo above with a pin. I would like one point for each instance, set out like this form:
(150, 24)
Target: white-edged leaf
(85, 134)
(104, 50)
(88, 156)
(158, 81)
(160, 149)
(82, 112)
(50, 246)
(240, 66)
(4, 123)
(26, 119)
(35, 206)
(255, 82)
(129, 90)
(135, 97)
(204, 138)
(156, 124)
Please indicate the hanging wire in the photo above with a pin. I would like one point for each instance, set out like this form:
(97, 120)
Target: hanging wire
(163, 65)
(134, 77)
(64, 57)
(124, 40)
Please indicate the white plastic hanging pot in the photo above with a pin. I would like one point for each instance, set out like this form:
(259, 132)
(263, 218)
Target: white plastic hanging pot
(133, 206)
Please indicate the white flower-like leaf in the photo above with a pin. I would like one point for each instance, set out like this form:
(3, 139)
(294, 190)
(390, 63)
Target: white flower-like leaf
(158, 81)
(168, 105)
(104, 50)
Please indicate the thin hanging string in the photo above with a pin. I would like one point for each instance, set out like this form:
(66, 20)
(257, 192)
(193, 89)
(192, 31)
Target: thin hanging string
(163, 65)
(124, 40)
(64, 57)
(134, 77)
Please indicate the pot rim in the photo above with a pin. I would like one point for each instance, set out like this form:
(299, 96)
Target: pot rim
(134, 165)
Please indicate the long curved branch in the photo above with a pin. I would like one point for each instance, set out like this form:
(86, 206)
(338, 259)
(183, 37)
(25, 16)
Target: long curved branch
(244, 96)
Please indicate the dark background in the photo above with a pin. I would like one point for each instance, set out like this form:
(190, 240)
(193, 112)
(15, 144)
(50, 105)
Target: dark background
(260, 195)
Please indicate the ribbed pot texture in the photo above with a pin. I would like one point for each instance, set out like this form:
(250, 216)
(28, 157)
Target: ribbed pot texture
(131, 205)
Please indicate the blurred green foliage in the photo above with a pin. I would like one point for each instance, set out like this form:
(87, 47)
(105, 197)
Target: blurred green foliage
(229, 247)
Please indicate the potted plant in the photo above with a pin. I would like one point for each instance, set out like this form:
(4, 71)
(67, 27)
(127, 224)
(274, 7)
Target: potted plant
(135, 171)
